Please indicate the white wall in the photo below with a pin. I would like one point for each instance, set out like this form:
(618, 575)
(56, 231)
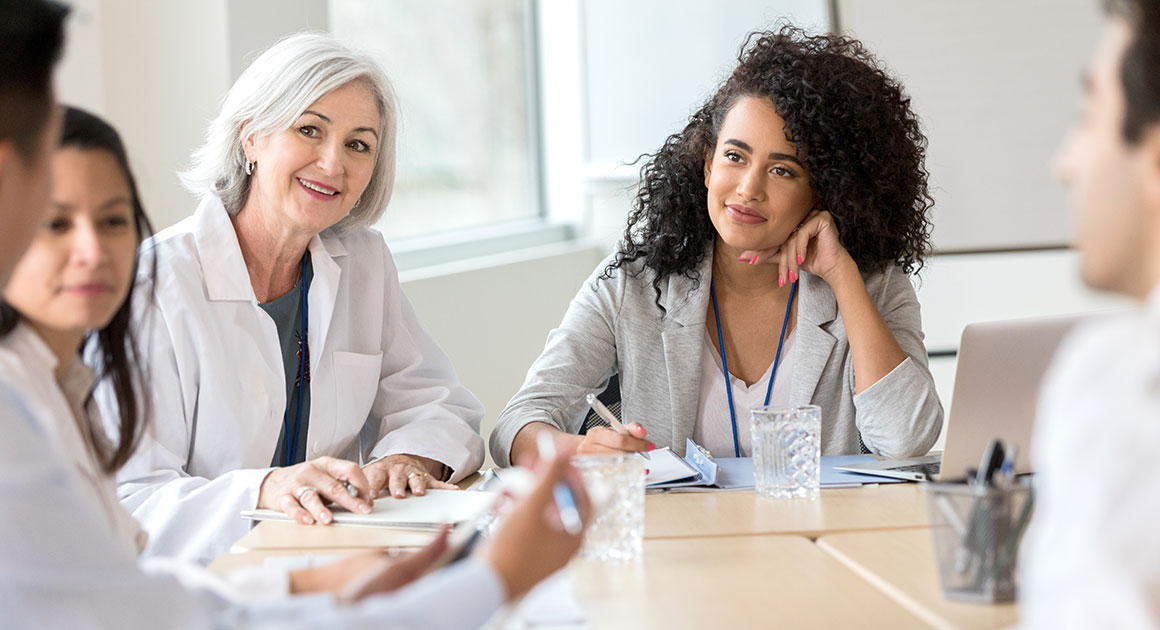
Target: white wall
(649, 64)
(157, 71)
(491, 316)
(996, 84)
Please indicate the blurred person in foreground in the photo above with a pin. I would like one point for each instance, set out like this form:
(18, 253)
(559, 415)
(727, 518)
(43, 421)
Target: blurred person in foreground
(1092, 554)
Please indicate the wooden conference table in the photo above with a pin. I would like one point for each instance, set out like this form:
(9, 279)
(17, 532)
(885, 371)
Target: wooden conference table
(733, 559)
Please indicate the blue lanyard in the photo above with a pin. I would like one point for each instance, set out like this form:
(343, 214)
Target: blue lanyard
(292, 447)
(725, 366)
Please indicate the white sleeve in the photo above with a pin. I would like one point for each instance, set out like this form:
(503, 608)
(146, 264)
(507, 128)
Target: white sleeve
(59, 568)
(422, 407)
(154, 485)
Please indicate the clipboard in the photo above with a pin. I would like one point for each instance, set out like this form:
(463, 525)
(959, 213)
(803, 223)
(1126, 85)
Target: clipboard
(669, 470)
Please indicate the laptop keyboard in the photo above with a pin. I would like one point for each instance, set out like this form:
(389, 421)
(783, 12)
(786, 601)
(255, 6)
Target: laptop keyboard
(930, 470)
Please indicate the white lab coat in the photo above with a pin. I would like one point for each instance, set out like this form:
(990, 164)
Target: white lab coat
(62, 566)
(217, 383)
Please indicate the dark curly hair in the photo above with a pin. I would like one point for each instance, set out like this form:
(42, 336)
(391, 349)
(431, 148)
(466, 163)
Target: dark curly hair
(863, 147)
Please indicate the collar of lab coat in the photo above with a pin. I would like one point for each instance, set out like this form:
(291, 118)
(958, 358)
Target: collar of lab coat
(225, 273)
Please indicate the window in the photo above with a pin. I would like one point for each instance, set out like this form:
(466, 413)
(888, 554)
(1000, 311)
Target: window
(467, 141)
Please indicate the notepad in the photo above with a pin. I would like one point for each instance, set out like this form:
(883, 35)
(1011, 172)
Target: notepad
(692, 474)
(436, 508)
(669, 470)
(666, 467)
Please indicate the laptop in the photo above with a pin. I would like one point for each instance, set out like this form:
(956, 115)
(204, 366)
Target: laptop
(1000, 367)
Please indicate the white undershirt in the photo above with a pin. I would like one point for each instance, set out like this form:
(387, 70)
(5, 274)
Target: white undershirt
(714, 430)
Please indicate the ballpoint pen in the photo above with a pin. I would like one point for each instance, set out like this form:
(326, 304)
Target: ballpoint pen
(351, 489)
(603, 412)
(1006, 476)
(565, 501)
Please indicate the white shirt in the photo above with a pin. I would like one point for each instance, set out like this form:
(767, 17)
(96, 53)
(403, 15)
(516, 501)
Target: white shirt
(29, 366)
(63, 566)
(714, 429)
(379, 383)
(1091, 558)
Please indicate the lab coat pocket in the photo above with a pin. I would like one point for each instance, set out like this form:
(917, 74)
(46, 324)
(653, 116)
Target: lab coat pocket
(356, 385)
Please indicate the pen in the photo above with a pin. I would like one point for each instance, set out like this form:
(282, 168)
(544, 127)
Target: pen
(565, 502)
(483, 481)
(350, 488)
(603, 412)
(1007, 469)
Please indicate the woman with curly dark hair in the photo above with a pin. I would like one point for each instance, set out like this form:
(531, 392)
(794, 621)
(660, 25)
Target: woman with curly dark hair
(766, 261)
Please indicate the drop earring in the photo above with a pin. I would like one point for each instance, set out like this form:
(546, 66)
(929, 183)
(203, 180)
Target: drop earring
(250, 167)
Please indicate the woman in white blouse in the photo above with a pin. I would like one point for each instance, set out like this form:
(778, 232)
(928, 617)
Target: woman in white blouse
(76, 281)
(281, 349)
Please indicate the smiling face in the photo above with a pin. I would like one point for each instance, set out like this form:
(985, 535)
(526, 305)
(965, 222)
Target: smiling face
(77, 271)
(1114, 185)
(310, 176)
(759, 190)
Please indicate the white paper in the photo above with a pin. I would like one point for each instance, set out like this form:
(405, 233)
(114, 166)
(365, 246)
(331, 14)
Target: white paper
(665, 466)
(426, 512)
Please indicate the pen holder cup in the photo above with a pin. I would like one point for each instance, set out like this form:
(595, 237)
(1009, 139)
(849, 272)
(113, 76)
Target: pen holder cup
(976, 533)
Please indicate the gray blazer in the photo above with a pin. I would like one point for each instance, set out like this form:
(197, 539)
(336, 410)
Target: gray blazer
(614, 326)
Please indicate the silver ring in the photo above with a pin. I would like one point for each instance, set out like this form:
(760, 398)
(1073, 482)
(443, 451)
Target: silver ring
(303, 490)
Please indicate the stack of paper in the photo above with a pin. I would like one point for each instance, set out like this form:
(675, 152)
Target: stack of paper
(429, 511)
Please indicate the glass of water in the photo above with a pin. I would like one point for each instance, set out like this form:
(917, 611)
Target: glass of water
(787, 451)
(615, 485)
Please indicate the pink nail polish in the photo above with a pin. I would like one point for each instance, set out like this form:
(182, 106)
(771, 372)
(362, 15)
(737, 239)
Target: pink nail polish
(799, 259)
(743, 259)
(753, 260)
(647, 471)
(792, 277)
(652, 447)
(780, 281)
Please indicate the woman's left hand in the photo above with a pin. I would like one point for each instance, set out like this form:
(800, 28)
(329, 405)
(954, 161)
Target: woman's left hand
(813, 246)
(397, 473)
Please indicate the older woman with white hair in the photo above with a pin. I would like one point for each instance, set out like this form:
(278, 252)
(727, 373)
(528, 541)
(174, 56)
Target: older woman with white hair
(281, 349)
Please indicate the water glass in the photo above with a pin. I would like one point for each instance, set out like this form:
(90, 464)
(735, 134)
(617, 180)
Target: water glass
(787, 451)
(615, 485)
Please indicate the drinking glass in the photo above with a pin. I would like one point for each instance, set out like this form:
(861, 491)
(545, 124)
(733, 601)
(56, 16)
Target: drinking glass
(615, 485)
(787, 451)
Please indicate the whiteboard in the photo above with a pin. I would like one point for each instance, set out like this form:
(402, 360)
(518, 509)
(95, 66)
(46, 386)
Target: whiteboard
(996, 83)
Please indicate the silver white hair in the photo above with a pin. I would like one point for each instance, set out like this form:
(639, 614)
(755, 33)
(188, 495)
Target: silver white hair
(270, 95)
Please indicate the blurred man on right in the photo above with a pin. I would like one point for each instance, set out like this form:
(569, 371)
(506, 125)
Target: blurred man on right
(1092, 556)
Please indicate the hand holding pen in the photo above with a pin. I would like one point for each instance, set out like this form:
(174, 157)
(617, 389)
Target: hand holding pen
(618, 437)
(545, 528)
